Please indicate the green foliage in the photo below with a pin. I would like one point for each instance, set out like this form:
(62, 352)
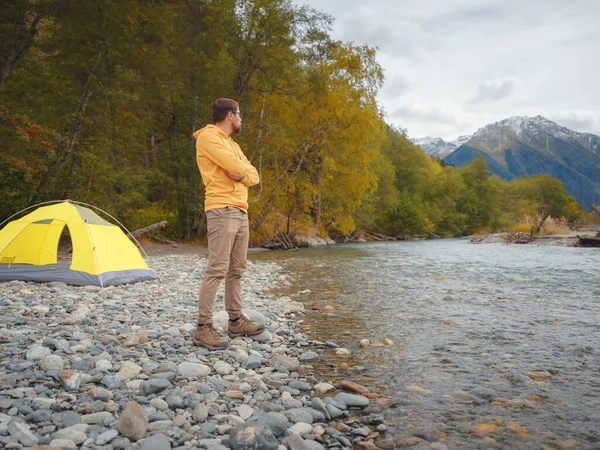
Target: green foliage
(478, 202)
(140, 218)
(409, 217)
(445, 197)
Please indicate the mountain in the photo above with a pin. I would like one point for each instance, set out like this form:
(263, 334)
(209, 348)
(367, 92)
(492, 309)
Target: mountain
(435, 146)
(461, 139)
(522, 146)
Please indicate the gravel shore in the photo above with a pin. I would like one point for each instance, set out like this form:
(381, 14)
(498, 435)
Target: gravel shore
(565, 240)
(115, 368)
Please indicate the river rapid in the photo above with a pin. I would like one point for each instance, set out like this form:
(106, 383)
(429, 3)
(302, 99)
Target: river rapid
(494, 346)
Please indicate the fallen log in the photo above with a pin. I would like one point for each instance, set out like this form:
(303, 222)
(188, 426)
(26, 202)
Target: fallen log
(380, 237)
(149, 228)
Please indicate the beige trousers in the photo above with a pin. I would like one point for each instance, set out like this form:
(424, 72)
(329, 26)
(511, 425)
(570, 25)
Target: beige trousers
(227, 252)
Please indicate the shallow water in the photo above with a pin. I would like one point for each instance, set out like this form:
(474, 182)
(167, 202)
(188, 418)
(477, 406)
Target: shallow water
(471, 325)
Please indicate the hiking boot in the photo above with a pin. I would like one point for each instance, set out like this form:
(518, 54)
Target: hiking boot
(244, 327)
(207, 336)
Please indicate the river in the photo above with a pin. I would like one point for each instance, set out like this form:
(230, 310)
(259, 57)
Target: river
(493, 345)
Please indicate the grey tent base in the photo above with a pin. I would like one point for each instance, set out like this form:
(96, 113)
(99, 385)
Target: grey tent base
(61, 272)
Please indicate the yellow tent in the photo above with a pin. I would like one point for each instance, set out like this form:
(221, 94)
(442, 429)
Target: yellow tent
(102, 254)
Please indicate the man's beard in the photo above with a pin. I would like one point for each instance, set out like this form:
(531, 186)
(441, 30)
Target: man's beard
(237, 129)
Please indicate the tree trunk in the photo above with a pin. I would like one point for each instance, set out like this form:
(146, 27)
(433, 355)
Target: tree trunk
(535, 230)
(301, 152)
(319, 198)
(47, 184)
(259, 148)
(20, 45)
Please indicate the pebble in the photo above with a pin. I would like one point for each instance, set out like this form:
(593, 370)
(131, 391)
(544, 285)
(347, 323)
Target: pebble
(116, 368)
(37, 352)
(484, 429)
(156, 442)
(301, 428)
(541, 376)
(51, 362)
(354, 387)
(323, 388)
(106, 437)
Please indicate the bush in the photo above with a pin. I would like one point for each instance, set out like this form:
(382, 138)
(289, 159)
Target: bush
(551, 225)
(140, 218)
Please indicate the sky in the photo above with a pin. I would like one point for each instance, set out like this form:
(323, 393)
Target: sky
(454, 66)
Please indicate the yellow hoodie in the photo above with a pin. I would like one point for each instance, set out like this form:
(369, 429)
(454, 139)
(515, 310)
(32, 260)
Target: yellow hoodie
(216, 153)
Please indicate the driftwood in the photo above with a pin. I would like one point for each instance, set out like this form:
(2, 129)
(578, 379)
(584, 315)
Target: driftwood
(347, 239)
(281, 241)
(588, 241)
(380, 237)
(519, 238)
(149, 228)
(165, 241)
(595, 208)
(407, 237)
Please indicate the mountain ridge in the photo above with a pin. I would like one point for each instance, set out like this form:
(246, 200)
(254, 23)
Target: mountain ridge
(438, 147)
(524, 146)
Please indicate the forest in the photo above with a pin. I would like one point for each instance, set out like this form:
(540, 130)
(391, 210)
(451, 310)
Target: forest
(99, 100)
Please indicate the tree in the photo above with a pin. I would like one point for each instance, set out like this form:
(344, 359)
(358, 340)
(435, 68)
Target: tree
(546, 194)
(20, 23)
(443, 198)
(478, 201)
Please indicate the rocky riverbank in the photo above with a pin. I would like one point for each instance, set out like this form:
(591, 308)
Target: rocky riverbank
(571, 239)
(82, 367)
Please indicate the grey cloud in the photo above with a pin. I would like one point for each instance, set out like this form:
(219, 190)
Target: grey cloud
(430, 115)
(466, 15)
(537, 57)
(405, 39)
(576, 124)
(395, 87)
(582, 121)
(497, 14)
(493, 90)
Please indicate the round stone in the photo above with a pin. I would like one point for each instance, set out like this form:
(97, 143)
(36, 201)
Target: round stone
(37, 352)
(104, 365)
(51, 362)
(223, 368)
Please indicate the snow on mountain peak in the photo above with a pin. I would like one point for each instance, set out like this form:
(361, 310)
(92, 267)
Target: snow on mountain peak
(461, 140)
(435, 146)
(499, 135)
(523, 125)
(527, 130)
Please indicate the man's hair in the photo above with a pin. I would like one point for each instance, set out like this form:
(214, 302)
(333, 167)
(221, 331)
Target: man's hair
(221, 107)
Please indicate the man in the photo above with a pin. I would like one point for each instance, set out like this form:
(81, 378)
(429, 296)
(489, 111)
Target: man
(227, 174)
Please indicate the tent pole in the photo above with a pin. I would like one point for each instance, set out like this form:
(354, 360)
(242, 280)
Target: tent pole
(29, 207)
(85, 204)
(95, 254)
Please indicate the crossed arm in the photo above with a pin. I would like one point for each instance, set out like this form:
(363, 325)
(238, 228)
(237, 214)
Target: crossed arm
(238, 169)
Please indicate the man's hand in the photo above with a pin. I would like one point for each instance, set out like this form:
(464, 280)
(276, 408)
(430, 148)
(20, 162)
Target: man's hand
(232, 177)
